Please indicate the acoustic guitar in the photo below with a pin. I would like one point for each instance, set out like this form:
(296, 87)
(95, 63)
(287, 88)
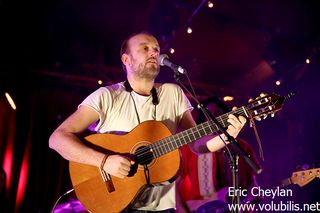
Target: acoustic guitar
(153, 148)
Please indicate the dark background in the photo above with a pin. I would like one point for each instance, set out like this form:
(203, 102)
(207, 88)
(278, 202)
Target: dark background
(52, 53)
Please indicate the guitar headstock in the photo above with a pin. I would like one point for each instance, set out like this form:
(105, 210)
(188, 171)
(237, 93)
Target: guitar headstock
(302, 178)
(266, 105)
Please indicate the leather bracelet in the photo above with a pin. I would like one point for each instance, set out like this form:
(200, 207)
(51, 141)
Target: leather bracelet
(105, 176)
(104, 159)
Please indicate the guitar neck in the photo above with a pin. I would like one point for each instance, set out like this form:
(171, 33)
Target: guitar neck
(173, 142)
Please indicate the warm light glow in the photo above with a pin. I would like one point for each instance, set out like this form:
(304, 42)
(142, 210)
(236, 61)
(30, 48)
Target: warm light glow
(278, 82)
(262, 94)
(100, 82)
(23, 178)
(308, 61)
(22, 183)
(228, 98)
(210, 4)
(7, 162)
(189, 30)
(172, 50)
(10, 100)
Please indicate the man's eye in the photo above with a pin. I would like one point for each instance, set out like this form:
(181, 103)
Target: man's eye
(146, 48)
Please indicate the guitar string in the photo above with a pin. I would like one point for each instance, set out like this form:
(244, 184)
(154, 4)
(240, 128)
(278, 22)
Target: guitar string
(222, 118)
(147, 158)
(160, 144)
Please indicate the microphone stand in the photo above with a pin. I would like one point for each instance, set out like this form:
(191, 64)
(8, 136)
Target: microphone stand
(237, 150)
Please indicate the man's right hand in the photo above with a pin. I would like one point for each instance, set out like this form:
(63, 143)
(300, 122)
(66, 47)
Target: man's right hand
(117, 165)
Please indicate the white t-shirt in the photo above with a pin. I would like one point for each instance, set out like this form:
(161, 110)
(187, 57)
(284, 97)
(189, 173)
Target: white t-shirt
(117, 114)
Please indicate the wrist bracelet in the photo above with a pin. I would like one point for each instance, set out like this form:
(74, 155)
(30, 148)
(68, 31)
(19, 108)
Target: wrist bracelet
(104, 159)
(105, 176)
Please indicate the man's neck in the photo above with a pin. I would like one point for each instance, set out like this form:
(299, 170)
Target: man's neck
(141, 86)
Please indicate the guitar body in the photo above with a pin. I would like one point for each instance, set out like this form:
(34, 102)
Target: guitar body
(87, 180)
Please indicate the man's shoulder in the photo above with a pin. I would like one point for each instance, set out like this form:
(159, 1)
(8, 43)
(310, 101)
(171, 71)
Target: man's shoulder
(114, 87)
(167, 86)
(111, 88)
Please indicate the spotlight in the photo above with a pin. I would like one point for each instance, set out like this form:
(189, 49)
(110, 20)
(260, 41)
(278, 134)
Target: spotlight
(189, 30)
(10, 100)
(228, 98)
(210, 4)
(308, 61)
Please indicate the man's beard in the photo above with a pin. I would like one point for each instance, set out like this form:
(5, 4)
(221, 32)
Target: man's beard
(147, 71)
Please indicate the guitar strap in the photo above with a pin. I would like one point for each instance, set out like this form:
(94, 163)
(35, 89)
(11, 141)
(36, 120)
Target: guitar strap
(155, 101)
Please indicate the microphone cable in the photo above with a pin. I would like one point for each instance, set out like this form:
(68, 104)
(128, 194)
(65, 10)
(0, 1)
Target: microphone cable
(55, 204)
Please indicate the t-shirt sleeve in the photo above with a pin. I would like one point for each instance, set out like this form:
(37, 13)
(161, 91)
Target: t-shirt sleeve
(99, 101)
(183, 103)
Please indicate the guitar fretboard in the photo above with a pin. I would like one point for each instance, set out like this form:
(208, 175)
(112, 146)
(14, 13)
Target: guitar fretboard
(175, 141)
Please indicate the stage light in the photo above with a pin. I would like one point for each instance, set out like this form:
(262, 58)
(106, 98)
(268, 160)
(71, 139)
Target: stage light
(10, 100)
(189, 30)
(308, 61)
(172, 50)
(210, 4)
(100, 82)
(278, 83)
(228, 98)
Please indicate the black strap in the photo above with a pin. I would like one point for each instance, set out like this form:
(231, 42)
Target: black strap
(155, 99)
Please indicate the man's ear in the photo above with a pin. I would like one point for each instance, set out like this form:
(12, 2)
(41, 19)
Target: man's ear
(125, 59)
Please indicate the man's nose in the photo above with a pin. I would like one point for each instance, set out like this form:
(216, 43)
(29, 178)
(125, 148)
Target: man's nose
(154, 53)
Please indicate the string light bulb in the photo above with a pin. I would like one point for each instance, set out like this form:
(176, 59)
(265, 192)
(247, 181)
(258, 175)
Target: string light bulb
(189, 30)
(210, 4)
(228, 98)
(308, 61)
(172, 50)
(100, 82)
(278, 82)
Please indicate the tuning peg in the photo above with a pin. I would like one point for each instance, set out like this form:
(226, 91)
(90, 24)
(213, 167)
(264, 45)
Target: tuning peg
(265, 116)
(272, 115)
(250, 100)
(258, 118)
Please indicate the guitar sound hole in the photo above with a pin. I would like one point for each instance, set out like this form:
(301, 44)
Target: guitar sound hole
(143, 155)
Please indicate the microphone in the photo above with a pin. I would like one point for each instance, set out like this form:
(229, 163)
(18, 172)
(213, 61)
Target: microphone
(164, 61)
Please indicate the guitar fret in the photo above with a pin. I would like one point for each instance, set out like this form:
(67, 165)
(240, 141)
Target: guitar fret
(188, 134)
(194, 137)
(186, 137)
(161, 150)
(166, 147)
(197, 133)
(209, 126)
(175, 141)
(155, 149)
(223, 122)
(170, 145)
(184, 140)
(201, 131)
(179, 142)
(205, 128)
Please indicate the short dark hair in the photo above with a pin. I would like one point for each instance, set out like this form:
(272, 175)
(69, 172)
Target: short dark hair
(124, 49)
